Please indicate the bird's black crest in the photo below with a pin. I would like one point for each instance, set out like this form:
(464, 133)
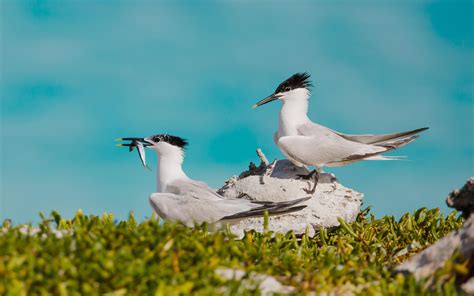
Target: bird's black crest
(173, 140)
(298, 80)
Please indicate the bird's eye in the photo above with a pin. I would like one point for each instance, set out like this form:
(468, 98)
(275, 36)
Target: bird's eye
(287, 88)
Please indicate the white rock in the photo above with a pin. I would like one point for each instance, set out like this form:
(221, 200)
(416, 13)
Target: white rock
(330, 201)
(267, 284)
(468, 286)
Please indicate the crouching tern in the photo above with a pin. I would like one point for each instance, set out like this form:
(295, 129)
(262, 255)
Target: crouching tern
(181, 199)
(306, 143)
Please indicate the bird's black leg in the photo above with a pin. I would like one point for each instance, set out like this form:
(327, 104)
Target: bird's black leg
(315, 180)
(315, 176)
(307, 176)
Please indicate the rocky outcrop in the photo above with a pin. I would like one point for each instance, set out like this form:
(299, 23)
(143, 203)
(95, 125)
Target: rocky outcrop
(463, 199)
(426, 263)
(279, 181)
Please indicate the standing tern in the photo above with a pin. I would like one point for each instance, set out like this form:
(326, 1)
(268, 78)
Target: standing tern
(306, 143)
(181, 199)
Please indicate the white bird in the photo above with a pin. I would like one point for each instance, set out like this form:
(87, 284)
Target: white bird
(306, 143)
(181, 199)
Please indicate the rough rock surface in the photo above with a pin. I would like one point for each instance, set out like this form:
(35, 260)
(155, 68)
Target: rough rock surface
(279, 182)
(463, 199)
(426, 263)
(267, 284)
(468, 286)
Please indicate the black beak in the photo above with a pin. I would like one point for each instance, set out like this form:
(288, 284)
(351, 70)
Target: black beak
(268, 99)
(147, 142)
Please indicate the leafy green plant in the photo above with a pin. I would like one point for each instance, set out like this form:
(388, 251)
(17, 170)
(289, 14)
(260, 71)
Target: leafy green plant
(96, 255)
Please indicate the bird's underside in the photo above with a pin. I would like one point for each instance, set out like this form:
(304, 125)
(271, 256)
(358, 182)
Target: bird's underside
(316, 145)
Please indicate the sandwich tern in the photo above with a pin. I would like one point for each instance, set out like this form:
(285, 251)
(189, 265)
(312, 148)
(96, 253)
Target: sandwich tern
(306, 143)
(182, 199)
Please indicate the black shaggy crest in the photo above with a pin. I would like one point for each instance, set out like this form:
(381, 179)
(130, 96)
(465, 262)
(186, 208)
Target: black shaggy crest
(173, 140)
(298, 80)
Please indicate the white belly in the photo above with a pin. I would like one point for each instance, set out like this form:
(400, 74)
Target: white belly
(275, 139)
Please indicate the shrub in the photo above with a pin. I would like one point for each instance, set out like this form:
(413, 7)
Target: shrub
(97, 255)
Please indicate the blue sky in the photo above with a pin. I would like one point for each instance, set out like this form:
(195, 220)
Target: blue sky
(77, 74)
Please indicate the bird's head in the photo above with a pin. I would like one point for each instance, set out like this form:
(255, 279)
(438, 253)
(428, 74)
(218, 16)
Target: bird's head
(165, 144)
(294, 88)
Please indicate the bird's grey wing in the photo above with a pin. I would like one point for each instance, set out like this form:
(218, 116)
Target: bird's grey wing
(190, 210)
(380, 139)
(311, 129)
(193, 189)
(324, 149)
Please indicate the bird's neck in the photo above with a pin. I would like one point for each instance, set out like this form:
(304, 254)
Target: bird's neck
(292, 114)
(169, 169)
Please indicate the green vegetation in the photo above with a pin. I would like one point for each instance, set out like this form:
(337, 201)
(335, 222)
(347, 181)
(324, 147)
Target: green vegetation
(126, 258)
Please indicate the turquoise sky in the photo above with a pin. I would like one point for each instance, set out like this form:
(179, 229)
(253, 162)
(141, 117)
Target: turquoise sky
(77, 74)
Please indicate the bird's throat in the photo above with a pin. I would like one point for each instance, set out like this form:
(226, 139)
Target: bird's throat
(292, 114)
(169, 170)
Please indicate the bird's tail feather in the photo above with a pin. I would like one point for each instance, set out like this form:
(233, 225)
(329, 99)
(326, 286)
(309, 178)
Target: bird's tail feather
(397, 143)
(380, 139)
(273, 208)
(384, 157)
(261, 212)
(388, 145)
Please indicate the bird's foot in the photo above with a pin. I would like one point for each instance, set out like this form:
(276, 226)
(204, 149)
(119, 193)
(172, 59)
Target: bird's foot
(313, 175)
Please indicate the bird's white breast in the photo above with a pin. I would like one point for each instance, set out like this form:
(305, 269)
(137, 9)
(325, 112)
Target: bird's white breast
(292, 114)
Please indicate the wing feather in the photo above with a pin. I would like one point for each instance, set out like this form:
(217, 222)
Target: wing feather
(191, 211)
(319, 151)
(378, 139)
(192, 188)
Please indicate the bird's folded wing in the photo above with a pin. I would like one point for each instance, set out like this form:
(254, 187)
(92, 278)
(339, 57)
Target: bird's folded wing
(311, 129)
(324, 148)
(193, 189)
(191, 211)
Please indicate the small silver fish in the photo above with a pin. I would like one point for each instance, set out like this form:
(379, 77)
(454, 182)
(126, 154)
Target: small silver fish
(136, 142)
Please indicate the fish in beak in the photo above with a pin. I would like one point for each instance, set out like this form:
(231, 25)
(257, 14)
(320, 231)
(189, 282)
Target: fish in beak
(140, 144)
